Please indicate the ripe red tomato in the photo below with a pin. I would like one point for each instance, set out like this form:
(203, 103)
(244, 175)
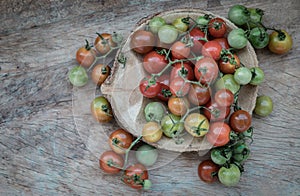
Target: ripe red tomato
(199, 95)
(164, 79)
(212, 49)
(165, 93)
(240, 121)
(183, 69)
(197, 34)
(110, 162)
(208, 171)
(179, 50)
(135, 175)
(228, 64)
(85, 56)
(224, 97)
(218, 134)
(206, 70)
(153, 62)
(223, 42)
(142, 41)
(120, 140)
(217, 27)
(103, 43)
(219, 113)
(179, 88)
(149, 87)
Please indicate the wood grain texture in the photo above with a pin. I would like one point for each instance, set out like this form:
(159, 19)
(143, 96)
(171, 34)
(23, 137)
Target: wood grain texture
(42, 151)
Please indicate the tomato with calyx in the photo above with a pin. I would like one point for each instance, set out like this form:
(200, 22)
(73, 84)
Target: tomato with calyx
(198, 38)
(154, 63)
(208, 171)
(110, 162)
(135, 176)
(280, 42)
(180, 50)
(179, 87)
(120, 140)
(104, 43)
(217, 27)
(228, 63)
(149, 87)
(182, 70)
(86, 56)
(215, 112)
(206, 70)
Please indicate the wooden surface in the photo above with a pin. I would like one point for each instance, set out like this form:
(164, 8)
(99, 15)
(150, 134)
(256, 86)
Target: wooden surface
(44, 150)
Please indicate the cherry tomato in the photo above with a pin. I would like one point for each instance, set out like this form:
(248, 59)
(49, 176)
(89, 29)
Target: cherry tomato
(149, 87)
(142, 41)
(101, 109)
(203, 20)
(100, 73)
(178, 105)
(167, 34)
(207, 171)
(206, 70)
(120, 140)
(224, 97)
(103, 43)
(198, 40)
(280, 42)
(180, 24)
(78, 76)
(154, 111)
(152, 132)
(257, 76)
(182, 70)
(228, 64)
(239, 14)
(229, 176)
(179, 50)
(165, 93)
(171, 125)
(110, 162)
(179, 88)
(146, 155)
(135, 175)
(155, 23)
(164, 79)
(255, 16)
(241, 152)
(217, 27)
(196, 124)
(218, 134)
(242, 75)
(220, 155)
(258, 37)
(154, 63)
(212, 49)
(240, 121)
(237, 39)
(217, 112)
(227, 82)
(223, 42)
(199, 95)
(85, 56)
(263, 106)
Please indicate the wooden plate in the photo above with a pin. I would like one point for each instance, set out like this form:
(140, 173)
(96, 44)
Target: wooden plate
(127, 102)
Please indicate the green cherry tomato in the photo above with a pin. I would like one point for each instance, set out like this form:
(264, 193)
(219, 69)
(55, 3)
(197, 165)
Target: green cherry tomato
(255, 16)
(257, 76)
(78, 76)
(203, 20)
(227, 82)
(155, 23)
(258, 37)
(146, 155)
(180, 24)
(229, 176)
(263, 106)
(241, 152)
(239, 15)
(154, 111)
(171, 125)
(167, 34)
(237, 39)
(220, 155)
(242, 75)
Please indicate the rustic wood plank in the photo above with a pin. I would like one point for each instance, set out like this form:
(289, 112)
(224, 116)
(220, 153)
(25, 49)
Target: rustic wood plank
(42, 152)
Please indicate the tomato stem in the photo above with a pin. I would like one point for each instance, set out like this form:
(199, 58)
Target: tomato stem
(128, 150)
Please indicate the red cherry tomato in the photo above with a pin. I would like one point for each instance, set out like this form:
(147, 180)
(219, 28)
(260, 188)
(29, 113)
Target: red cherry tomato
(149, 87)
(85, 56)
(120, 140)
(218, 113)
(223, 42)
(218, 134)
(110, 162)
(240, 121)
(178, 87)
(135, 175)
(217, 27)
(103, 43)
(199, 95)
(153, 62)
(179, 50)
(212, 49)
(229, 64)
(208, 171)
(183, 69)
(164, 79)
(197, 34)
(142, 41)
(206, 70)
(224, 97)
(165, 93)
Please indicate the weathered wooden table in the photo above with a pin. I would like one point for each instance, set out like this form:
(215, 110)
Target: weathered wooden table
(41, 150)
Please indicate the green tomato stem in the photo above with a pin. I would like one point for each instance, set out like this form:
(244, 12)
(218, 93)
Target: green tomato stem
(128, 150)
